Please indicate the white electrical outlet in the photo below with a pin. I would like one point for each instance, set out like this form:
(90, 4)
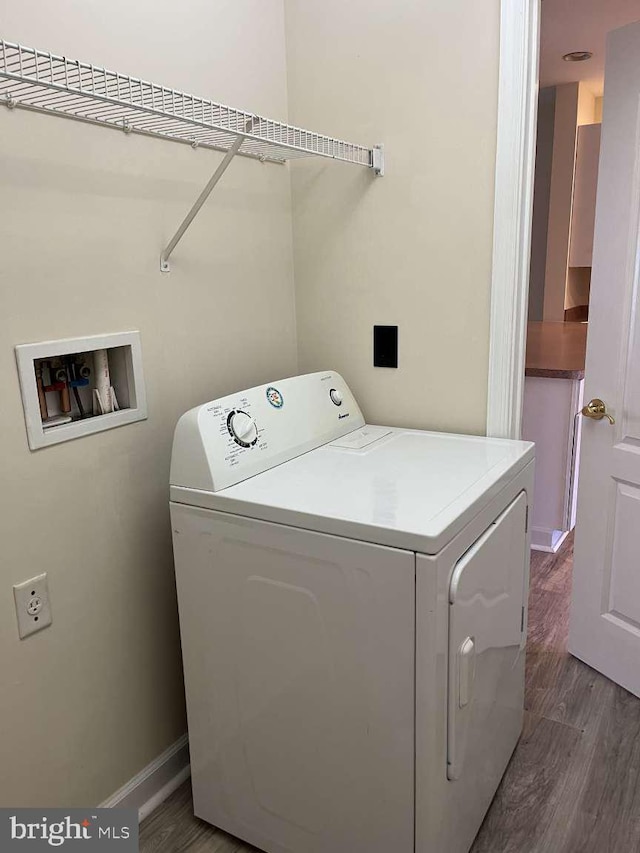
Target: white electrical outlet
(33, 608)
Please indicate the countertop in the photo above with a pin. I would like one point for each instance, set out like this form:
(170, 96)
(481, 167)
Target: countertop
(556, 350)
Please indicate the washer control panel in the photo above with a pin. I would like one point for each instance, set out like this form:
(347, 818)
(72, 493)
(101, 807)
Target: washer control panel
(228, 440)
(242, 428)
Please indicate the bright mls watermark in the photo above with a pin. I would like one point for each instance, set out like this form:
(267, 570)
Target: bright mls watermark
(26, 830)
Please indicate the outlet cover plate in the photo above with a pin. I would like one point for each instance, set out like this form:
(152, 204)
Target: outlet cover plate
(385, 346)
(33, 608)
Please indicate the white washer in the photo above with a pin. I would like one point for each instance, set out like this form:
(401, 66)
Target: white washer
(353, 615)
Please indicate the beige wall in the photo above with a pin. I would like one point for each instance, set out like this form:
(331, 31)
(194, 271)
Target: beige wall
(84, 211)
(597, 110)
(541, 198)
(87, 703)
(575, 105)
(586, 105)
(560, 199)
(578, 287)
(413, 248)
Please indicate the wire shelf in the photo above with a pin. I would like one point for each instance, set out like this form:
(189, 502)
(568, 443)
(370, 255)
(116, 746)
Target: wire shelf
(39, 80)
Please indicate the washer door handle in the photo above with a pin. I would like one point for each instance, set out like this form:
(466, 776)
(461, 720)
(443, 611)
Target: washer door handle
(466, 671)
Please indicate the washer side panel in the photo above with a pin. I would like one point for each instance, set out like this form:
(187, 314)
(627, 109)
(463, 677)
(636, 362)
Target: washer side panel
(441, 804)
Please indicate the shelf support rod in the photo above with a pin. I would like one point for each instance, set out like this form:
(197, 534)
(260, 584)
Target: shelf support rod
(204, 195)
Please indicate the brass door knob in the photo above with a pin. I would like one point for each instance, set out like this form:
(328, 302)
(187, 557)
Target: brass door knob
(596, 410)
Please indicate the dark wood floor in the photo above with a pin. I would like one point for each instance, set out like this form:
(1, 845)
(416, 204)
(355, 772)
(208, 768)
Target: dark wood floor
(573, 784)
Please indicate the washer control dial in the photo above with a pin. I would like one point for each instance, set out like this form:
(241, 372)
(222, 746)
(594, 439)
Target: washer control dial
(336, 397)
(242, 428)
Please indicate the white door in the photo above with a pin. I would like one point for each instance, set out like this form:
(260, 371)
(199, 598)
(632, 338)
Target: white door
(605, 612)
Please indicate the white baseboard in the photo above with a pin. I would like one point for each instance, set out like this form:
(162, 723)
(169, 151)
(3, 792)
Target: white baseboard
(547, 540)
(155, 782)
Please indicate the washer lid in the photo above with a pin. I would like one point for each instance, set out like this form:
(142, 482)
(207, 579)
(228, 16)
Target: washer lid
(406, 488)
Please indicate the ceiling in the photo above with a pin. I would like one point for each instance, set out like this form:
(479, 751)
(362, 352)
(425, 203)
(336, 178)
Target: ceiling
(569, 25)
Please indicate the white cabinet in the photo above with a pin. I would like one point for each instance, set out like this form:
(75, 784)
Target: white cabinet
(550, 420)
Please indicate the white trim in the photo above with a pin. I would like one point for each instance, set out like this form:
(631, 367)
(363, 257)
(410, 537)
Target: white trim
(155, 782)
(547, 540)
(515, 161)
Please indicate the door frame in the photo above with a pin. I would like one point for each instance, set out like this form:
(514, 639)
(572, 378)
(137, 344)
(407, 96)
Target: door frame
(513, 209)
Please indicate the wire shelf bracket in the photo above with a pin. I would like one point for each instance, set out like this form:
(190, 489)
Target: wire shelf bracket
(204, 195)
(42, 81)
